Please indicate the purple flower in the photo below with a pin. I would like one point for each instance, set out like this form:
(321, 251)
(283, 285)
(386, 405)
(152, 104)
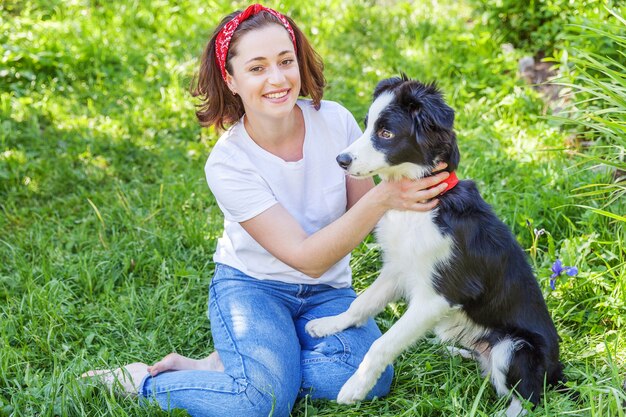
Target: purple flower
(558, 269)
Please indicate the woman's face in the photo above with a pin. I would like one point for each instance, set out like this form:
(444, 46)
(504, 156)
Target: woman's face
(265, 72)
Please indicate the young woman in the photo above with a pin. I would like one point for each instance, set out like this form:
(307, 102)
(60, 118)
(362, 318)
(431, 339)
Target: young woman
(291, 219)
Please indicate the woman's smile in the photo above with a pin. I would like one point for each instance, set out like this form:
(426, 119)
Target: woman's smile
(279, 96)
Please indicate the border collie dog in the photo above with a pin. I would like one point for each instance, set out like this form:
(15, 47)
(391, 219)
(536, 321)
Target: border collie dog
(459, 268)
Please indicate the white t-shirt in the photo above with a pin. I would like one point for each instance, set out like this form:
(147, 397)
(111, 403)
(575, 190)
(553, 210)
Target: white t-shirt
(247, 180)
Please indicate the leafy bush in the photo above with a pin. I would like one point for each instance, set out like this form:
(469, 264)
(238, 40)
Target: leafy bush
(598, 81)
(595, 81)
(536, 25)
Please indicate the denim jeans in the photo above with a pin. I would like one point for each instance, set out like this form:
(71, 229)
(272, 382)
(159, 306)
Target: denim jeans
(269, 359)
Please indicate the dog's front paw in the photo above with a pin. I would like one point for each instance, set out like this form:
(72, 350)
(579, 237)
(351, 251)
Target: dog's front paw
(323, 327)
(355, 389)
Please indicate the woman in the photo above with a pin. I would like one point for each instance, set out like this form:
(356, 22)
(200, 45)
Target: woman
(291, 219)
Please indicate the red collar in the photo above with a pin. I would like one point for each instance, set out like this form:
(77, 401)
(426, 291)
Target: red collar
(451, 181)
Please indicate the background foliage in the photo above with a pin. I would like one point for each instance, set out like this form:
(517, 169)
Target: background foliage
(107, 227)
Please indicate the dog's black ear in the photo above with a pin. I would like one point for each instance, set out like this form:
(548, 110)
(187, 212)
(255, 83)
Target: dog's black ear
(435, 106)
(454, 156)
(388, 84)
(433, 118)
(441, 113)
(428, 106)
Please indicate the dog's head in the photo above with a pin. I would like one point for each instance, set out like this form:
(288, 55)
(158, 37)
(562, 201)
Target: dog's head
(409, 129)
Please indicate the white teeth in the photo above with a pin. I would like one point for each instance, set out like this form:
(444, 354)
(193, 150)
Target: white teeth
(277, 95)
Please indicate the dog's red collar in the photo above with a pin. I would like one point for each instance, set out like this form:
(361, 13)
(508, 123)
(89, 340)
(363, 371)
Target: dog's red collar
(451, 181)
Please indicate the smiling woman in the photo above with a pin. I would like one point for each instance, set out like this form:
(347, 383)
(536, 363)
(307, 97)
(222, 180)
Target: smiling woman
(291, 219)
(268, 85)
(219, 106)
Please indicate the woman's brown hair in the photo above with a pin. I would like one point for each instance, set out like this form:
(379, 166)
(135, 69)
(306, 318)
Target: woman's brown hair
(218, 106)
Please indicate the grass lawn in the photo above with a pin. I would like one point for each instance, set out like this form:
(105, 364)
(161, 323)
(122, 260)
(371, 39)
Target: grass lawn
(107, 227)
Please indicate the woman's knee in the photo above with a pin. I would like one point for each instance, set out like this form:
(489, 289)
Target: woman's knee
(324, 376)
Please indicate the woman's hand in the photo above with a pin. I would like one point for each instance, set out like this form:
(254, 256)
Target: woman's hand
(414, 195)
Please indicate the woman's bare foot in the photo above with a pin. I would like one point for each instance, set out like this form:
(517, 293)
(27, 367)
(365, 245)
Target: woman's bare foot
(176, 362)
(127, 377)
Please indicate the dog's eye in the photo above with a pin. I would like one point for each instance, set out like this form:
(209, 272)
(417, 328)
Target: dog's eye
(385, 134)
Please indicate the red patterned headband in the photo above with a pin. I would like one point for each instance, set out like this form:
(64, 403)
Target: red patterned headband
(222, 42)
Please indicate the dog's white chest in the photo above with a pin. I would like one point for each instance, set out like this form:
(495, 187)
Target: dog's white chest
(411, 235)
(412, 246)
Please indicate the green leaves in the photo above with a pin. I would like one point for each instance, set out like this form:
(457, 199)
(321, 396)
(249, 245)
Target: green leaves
(598, 111)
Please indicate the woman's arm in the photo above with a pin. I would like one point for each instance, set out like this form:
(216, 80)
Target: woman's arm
(357, 188)
(282, 236)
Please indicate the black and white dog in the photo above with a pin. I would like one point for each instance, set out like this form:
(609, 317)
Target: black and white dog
(459, 267)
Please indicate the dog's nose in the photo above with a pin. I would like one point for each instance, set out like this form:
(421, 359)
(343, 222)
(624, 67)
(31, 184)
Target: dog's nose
(344, 160)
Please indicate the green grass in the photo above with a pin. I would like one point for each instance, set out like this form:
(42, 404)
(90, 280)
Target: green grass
(107, 227)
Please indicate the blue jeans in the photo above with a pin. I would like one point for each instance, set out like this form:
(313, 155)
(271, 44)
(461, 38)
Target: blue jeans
(269, 360)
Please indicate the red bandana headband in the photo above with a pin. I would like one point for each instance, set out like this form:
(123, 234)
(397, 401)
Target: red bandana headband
(222, 42)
